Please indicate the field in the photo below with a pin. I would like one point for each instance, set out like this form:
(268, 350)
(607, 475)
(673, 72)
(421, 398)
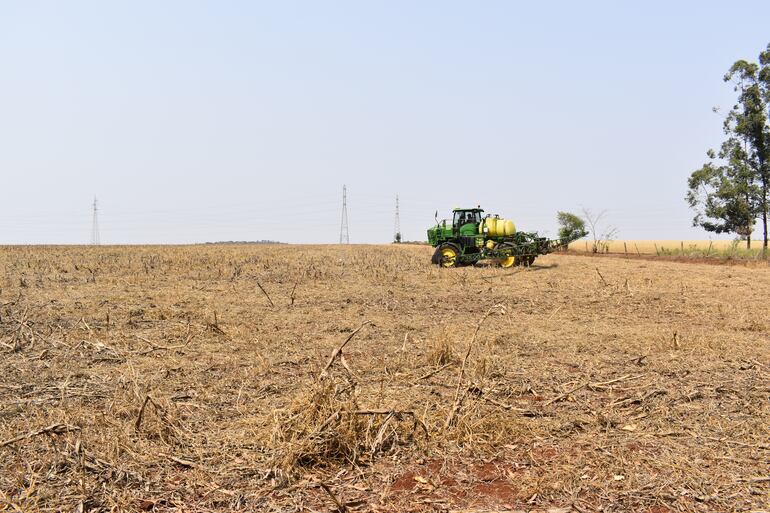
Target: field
(361, 378)
(698, 248)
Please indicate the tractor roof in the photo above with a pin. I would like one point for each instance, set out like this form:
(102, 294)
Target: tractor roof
(477, 209)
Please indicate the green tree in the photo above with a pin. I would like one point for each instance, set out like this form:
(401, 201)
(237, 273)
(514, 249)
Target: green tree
(747, 121)
(570, 225)
(732, 189)
(724, 196)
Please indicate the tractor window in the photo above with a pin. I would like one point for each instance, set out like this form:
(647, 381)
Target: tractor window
(465, 217)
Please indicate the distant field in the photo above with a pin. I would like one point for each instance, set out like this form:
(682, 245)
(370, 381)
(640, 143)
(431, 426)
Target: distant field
(654, 247)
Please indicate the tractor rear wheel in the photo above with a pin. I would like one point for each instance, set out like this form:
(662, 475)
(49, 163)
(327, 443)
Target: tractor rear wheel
(447, 255)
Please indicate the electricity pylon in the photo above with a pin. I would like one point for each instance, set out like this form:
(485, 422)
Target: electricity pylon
(344, 235)
(95, 224)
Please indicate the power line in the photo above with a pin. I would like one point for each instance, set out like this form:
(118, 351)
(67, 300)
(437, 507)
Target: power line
(95, 225)
(344, 235)
(397, 227)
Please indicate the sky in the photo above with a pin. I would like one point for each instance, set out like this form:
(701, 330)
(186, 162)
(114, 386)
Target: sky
(195, 121)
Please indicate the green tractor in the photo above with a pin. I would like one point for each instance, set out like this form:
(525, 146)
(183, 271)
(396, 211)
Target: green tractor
(471, 237)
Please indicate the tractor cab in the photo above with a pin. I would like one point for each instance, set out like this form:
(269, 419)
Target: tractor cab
(466, 220)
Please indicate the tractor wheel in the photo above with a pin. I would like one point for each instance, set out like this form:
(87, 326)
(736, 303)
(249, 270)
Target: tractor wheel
(525, 261)
(508, 261)
(436, 258)
(448, 255)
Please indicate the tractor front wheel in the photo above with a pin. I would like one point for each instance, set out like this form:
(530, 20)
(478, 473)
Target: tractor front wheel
(509, 261)
(447, 255)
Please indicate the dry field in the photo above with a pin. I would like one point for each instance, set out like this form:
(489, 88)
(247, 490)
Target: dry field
(201, 378)
(653, 247)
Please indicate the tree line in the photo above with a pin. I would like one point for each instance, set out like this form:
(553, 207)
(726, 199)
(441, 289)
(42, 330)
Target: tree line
(729, 193)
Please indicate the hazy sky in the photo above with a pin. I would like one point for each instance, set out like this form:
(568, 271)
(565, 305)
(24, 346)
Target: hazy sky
(203, 121)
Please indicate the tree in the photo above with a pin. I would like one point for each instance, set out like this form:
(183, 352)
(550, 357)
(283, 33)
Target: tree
(747, 122)
(601, 236)
(724, 197)
(732, 190)
(570, 225)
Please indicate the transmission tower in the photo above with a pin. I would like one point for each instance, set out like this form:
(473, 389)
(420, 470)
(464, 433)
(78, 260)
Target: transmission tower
(95, 225)
(344, 235)
(397, 228)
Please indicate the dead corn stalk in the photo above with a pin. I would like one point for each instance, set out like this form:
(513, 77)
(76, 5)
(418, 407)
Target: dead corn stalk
(458, 400)
(55, 429)
(338, 352)
(266, 294)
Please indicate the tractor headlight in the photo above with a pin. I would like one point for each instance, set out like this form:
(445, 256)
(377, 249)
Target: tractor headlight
(486, 229)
